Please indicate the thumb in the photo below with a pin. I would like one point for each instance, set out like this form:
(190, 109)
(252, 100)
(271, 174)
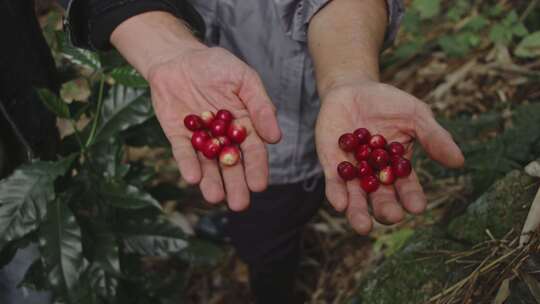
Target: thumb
(437, 142)
(261, 110)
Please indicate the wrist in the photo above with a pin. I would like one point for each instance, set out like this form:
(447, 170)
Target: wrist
(150, 39)
(342, 78)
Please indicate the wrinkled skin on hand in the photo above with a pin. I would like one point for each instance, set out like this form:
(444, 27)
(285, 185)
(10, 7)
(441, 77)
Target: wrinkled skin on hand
(209, 79)
(398, 116)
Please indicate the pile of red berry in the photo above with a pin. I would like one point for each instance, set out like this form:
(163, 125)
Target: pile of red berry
(216, 135)
(378, 162)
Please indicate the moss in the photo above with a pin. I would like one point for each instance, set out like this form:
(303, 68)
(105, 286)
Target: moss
(503, 207)
(417, 272)
(412, 274)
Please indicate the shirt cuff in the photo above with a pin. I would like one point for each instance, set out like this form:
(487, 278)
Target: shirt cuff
(91, 26)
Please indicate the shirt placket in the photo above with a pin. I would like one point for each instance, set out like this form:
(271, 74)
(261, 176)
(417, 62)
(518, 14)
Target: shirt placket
(291, 95)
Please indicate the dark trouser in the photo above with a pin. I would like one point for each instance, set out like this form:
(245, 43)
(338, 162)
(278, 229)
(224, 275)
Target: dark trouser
(268, 236)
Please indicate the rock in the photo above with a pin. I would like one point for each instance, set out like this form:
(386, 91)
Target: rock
(411, 275)
(503, 207)
(418, 271)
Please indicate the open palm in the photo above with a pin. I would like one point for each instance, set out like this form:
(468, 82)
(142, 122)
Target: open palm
(210, 79)
(398, 116)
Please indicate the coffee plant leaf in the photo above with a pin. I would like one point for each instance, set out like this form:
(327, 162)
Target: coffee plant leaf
(529, 47)
(129, 77)
(24, 196)
(125, 107)
(123, 196)
(61, 248)
(54, 103)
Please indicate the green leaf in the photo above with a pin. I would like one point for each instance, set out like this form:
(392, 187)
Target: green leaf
(453, 46)
(61, 247)
(202, 253)
(150, 234)
(108, 157)
(124, 108)
(24, 196)
(105, 251)
(80, 57)
(149, 133)
(458, 10)
(409, 49)
(157, 246)
(476, 23)
(76, 89)
(392, 242)
(529, 47)
(500, 34)
(125, 196)
(102, 282)
(54, 103)
(496, 10)
(411, 21)
(427, 8)
(520, 30)
(128, 77)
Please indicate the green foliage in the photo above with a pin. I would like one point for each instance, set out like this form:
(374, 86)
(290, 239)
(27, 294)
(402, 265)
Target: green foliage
(392, 242)
(464, 27)
(91, 211)
(127, 76)
(530, 46)
(61, 248)
(427, 8)
(24, 196)
(489, 160)
(54, 103)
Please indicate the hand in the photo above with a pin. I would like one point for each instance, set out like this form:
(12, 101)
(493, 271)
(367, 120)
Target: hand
(398, 116)
(187, 77)
(212, 79)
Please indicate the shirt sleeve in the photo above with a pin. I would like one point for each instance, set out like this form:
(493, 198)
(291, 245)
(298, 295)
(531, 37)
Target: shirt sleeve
(90, 23)
(296, 15)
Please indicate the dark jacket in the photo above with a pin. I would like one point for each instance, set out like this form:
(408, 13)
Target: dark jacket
(90, 23)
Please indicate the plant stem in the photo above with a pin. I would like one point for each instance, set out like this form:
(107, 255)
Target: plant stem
(528, 10)
(98, 112)
(77, 135)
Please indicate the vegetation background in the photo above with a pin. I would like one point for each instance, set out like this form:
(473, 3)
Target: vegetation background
(115, 221)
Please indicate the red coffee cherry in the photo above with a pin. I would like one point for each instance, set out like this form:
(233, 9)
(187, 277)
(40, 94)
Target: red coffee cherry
(402, 167)
(212, 148)
(218, 127)
(348, 142)
(225, 115)
(229, 156)
(387, 176)
(346, 171)
(363, 135)
(379, 158)
(207, 118)
(395, 148)
(369, 183)
(363, 152)
(364, 168)
(199, 139)
(224, 140)
(377, 142)
(193, 122)
(237, 133)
